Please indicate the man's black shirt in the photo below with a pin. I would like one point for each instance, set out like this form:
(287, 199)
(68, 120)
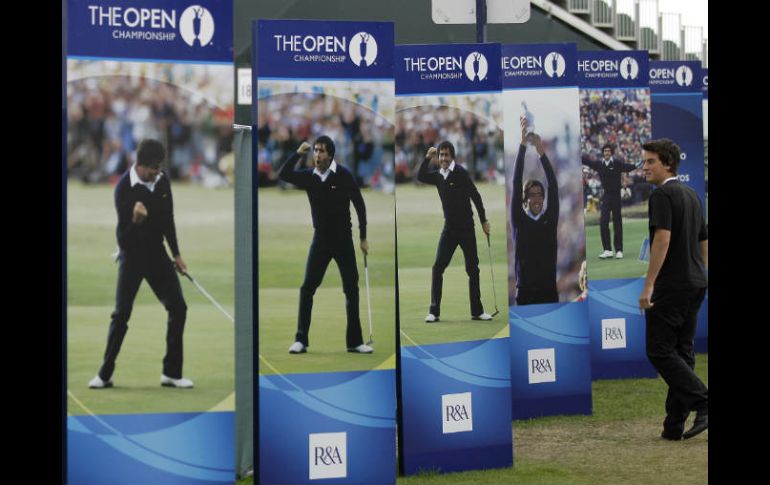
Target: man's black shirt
(456, 193)
(610, 174)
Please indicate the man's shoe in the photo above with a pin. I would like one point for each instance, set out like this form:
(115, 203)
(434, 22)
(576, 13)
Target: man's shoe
(430, 318)
(297, 348)
(98, 383)
(606, 254)
(700, 425)
(671, 435)
(483, 316)
(619, 255)
(361, 349)
(181, 383)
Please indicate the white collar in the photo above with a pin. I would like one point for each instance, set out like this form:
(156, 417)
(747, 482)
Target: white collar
(607, 160)
(533, 216)
(669, 179)
(332, 168)
(445, 173)
(136, 180)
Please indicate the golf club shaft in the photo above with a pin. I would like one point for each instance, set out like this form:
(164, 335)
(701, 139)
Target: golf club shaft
(492, 272)
(206, 294)
(368, 297)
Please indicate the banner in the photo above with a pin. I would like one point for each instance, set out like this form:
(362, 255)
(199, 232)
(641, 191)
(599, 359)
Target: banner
(616, 121)
(454, 375)
(550, 353)
(326, 395)
(702, 332)
(677, 106)
(149, 365)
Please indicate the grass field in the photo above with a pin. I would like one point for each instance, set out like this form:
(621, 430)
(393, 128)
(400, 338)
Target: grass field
(618, 444)
(204, 222)
(285, 232)
(420, 220)
(634, 231)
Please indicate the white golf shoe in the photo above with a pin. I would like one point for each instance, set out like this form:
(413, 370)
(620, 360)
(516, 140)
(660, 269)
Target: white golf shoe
(430, 318)
(606, 254)
(98, 383)
(297, 348)
(619, 255)
(181, 383)
(361, 349)
(484, 316)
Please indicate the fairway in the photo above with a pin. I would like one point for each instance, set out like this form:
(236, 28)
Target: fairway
(285, 233)
(204, 223)
(420, 220)
(635, 230)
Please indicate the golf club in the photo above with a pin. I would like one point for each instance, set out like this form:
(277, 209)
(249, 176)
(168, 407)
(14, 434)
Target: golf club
(368, 299)
(492, 272)
(206, 294)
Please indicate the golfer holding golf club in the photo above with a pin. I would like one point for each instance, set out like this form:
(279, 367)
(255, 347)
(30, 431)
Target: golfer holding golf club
(330, 190)
(145, 217)
(456, 191)
(534, 227)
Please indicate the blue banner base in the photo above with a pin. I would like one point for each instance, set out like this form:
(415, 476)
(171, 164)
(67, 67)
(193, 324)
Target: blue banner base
(622, 370)
(484, 457)
(552, 406)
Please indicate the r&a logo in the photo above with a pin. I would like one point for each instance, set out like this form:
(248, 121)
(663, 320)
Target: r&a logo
(614, 333)
(541, 365)
(328, 455)
(456, 412)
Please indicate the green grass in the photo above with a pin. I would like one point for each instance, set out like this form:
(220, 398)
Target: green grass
(204, 221)
(618, 444)
(634, 231)
(420, 221)
(285, 232)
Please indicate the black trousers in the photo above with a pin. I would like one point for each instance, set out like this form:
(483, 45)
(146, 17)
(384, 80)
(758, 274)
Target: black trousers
(322, 251)
(610, 207)
(162, 278)
(450, 239)
(525, 296)
(671, 324)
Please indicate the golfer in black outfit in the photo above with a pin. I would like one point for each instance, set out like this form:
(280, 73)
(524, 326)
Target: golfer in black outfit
(534, 230)
(610, 169)
(145, 217)
(674, 288)
(456, 190)
(330, 190)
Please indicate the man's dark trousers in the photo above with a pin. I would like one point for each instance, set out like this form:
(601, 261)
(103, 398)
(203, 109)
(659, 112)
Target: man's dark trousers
(671, 324)
(162, 278)
(322, 251)
(450, 239)
(610, 207)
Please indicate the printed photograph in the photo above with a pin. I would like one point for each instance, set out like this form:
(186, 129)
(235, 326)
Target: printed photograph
(150, 276)
(544, 197)
(450, 197)
(326, 212)
(614, 125)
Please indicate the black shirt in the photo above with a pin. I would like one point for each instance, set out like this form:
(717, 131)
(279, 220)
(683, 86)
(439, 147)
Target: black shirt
(675, 207)
(145, 239)
(536, 245)
(456, 193)
(609, 174)
(329, 200)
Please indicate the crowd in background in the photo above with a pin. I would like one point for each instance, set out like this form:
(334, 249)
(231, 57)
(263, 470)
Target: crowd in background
(107, 117)
(621, 118)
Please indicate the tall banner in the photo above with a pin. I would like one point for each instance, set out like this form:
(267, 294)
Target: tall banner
(324, 251)
(677, 107)
(549, 335)
(454, 366)
(615, 122)
(149, 199)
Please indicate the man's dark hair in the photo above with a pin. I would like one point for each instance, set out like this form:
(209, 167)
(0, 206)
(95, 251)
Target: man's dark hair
(446, 144)
(150, 153)
(668, 152)
(532, 183)
(326, 142)
(608, 145)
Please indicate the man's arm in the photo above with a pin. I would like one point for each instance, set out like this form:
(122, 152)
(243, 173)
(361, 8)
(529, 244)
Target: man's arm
(425, 174)
(360, 207)
(475, 196)
(658, 253)
(590, 163)
(626, 167)
(550, 177)
(130, 215)
(287, 173)
(169, 231)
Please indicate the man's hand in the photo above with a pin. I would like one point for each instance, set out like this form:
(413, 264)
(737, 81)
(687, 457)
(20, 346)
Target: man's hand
(535, 140)
(431, 154)
(303, 148)
(365, 246)
(524, 124)
(181, 267)
(485, 227)
(140, 213)
(645, 298)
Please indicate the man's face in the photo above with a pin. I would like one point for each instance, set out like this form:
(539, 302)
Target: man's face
(147, 173)
(321, 157)
(535, 198)
(445, 158)
(654, 170)
(607, 153)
